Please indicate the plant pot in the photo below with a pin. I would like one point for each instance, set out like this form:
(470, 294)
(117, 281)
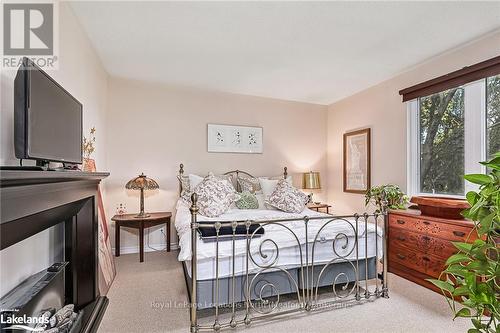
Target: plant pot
(448, 208)
(89, 165)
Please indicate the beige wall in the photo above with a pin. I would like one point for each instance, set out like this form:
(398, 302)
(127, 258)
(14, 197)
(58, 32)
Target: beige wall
(81, 73)
(381, 108)
(151, 128)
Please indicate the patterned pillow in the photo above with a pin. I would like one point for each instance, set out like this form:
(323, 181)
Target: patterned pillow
(190, 182)
(247, 201)
(229, 178)
(215, 196)
(287, 198)
(249, 184)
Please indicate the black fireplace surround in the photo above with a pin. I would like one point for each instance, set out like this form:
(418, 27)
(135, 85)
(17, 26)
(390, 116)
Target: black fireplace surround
(32, 201)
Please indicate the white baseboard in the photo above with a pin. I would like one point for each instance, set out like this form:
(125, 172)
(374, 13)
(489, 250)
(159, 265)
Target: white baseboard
(135, 249)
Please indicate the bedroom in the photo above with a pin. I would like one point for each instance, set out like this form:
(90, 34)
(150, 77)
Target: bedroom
(159, 84)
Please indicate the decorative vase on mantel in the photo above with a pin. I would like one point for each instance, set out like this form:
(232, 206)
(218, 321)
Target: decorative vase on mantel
(89, 165)
(87, 149)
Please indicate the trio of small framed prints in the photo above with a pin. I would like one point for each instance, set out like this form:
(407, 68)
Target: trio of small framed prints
(234, 139)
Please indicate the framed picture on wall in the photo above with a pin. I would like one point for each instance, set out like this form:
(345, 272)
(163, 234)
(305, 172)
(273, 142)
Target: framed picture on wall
(234, 139)
(357, 161)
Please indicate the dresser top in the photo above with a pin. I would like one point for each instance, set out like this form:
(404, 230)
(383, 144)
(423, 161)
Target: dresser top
(418, 214)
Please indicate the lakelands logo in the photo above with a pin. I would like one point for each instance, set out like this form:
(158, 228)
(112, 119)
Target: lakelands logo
(24, 322)
(29, 30)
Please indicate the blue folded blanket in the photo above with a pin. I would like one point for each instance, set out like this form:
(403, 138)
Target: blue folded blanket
(226, 232)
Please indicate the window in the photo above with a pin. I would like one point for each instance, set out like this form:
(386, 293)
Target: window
(449, 133)
(493, 115)
(442, 142)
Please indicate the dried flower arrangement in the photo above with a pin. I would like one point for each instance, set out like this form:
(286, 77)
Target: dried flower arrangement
(88, 144)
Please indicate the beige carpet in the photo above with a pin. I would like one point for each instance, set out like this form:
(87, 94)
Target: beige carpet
(142, 293)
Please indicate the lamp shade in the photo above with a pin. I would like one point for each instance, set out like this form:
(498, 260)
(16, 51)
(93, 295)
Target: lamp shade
(142, 183)
(311, 180)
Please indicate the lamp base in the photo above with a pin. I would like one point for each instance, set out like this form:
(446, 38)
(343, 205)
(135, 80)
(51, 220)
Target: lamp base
(142, 215)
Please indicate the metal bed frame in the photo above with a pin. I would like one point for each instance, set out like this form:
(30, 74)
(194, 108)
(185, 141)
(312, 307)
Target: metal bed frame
(306, 284)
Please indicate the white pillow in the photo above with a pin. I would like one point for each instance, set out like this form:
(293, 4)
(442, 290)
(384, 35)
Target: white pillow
(267, 186)
(194, 180)
(261, 200)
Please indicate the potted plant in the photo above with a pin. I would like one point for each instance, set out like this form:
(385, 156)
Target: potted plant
(395, 198)
(88, 148)
(472, 275)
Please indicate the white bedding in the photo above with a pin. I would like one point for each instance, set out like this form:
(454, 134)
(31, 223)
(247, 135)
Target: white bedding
(289, 250)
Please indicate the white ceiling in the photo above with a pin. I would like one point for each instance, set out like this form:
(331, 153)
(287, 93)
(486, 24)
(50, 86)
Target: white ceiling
(316, 52)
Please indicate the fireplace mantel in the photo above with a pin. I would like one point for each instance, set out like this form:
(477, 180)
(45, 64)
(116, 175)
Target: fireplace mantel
(32, 201)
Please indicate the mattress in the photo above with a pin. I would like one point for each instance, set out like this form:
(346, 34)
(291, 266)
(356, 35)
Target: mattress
(278, 248)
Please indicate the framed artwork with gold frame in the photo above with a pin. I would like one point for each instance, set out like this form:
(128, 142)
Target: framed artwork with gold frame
(357, 161)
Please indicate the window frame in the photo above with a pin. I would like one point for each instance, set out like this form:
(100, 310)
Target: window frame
(474, 138)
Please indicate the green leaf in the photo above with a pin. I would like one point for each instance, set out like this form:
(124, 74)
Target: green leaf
(478, 178)
(460, 291)
(478, 243)
(473, 330)
(463, 312)
(456, 269)
(470, 281)
(493, 164)
(481, 267)
(465, 247)
(485, 223)
(472, 197)
(477, 323)
(442, 285)
(456, 258)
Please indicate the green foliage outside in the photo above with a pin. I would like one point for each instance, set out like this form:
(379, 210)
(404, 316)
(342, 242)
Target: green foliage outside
(442, 142)
(473, 274)
(493, 112)
(442, 137)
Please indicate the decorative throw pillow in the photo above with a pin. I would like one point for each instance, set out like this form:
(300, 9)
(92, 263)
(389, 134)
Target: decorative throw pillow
(287, 198)
(249, 184)
(229, 178)
(247, 201)
(190, 182)
(215, 196)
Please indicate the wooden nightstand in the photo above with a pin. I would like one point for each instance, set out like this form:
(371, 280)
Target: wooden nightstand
(318, 206)
(130, 221)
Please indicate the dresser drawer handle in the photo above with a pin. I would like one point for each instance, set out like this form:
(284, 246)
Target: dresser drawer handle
(426, 222)
(401, 238)
(401, 256)
(401, 222)
(426, 238)
(426, 258)
(459, 233)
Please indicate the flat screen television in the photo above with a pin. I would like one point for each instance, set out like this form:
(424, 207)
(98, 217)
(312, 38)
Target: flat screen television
(47, 118)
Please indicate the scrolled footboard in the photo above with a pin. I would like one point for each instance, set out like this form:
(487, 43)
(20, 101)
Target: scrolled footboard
(350, 277)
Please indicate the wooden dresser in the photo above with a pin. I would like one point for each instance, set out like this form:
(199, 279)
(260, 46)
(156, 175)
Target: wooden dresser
(419, 245)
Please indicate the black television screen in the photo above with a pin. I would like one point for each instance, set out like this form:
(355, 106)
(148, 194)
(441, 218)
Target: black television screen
(48, 120)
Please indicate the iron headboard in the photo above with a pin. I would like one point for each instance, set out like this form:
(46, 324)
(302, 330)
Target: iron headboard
(232, 172)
